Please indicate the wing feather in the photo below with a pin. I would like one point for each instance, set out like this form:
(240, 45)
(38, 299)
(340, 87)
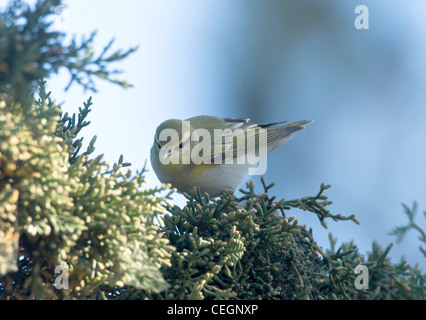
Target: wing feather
(240, 137)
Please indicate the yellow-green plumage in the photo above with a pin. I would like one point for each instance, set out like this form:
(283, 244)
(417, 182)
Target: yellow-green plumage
(218, 170)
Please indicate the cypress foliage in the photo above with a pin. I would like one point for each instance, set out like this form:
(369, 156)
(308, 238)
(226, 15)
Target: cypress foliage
(60, 207)
(251, 248)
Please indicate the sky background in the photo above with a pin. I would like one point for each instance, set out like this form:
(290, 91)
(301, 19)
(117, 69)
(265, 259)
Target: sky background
(274, 61)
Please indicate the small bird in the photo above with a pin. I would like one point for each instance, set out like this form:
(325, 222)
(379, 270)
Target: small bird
(212, 153)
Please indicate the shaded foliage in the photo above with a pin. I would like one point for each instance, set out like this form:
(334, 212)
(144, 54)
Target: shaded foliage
(251, 248)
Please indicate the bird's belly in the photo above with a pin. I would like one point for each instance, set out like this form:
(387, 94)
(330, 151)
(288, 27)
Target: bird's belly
(213, 179)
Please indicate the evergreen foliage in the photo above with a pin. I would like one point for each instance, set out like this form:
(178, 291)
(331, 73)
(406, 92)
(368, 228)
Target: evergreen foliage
(250, 248)
(117, 239)
(30, 51)
(57, 206)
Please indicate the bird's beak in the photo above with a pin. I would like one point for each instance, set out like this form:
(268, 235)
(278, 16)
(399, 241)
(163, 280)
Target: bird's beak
(165, 152)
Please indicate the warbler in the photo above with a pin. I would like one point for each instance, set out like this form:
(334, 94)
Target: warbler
(214, 154)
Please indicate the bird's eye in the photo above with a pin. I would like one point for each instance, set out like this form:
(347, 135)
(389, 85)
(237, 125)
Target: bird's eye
(181, 145)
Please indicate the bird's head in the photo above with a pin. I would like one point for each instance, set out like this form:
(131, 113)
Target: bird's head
(171, 138)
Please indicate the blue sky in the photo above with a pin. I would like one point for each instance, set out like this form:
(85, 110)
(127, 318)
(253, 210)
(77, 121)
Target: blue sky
(364, 89)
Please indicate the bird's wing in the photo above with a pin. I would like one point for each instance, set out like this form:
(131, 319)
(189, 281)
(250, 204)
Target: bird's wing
(263, 139)
(240, 137)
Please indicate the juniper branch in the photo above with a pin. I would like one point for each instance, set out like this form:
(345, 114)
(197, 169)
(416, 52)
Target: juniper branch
(317, 204)
(401, 231)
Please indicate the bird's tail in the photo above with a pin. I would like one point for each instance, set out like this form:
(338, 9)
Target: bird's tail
(277, 136)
